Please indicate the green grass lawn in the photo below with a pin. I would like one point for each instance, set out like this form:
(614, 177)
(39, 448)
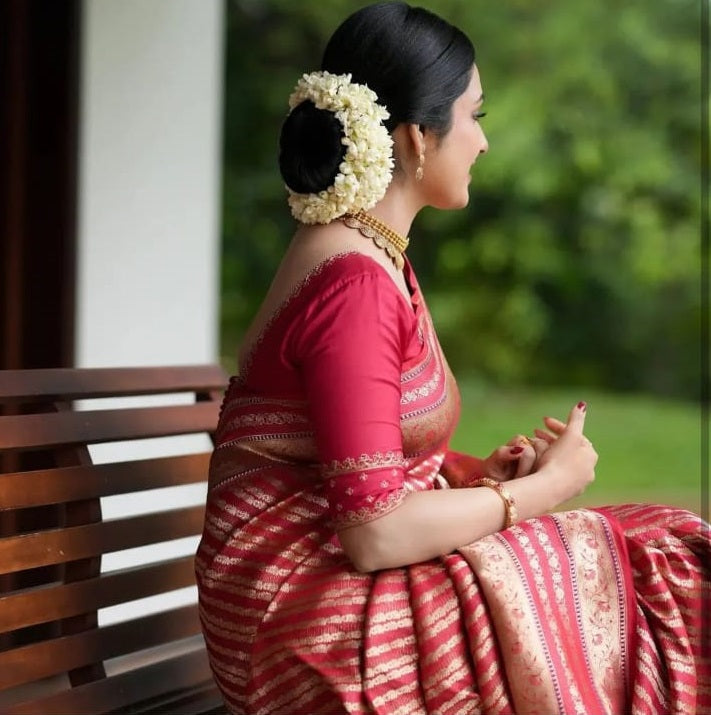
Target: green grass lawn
(649, 448)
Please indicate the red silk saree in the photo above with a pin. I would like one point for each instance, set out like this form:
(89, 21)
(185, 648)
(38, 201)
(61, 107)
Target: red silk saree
(344, 405)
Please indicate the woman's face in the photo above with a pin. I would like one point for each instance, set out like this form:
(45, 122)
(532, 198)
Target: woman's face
(448, 161)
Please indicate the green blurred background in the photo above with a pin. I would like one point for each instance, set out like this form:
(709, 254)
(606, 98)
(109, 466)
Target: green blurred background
(574, 272)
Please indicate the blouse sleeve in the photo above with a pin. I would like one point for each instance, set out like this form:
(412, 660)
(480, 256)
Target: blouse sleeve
(349, 352)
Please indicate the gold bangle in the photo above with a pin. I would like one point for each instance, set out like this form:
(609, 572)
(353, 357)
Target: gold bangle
(506, 497)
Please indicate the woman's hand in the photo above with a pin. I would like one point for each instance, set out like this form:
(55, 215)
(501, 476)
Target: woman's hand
(569, 458)
(520, 456)
(516, 458)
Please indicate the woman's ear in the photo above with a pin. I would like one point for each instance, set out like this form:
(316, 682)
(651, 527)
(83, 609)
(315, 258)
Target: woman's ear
(417, 137)
(410, 148)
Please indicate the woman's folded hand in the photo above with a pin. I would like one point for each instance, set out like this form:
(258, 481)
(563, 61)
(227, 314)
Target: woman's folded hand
(570, 457)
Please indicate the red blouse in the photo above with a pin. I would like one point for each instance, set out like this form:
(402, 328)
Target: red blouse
(353, 377)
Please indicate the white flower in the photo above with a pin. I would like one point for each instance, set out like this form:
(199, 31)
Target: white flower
(366, 169)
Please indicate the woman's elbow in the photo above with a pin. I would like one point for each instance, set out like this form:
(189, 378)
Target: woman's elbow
(363, 544)
(363, 565)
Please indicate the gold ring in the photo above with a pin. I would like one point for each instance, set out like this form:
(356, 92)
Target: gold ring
(525, 440)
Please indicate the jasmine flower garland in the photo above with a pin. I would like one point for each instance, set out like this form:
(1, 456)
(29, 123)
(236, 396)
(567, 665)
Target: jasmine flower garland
(366, 169)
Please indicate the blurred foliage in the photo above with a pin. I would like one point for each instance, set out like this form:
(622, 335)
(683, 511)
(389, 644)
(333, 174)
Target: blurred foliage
(577, 260)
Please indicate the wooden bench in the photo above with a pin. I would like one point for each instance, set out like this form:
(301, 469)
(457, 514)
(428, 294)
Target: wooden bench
(56, 654)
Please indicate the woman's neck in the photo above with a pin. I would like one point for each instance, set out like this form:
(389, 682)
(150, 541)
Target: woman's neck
(396, 209)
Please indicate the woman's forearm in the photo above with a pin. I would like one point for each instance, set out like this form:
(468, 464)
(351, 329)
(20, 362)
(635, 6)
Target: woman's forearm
(431, 523)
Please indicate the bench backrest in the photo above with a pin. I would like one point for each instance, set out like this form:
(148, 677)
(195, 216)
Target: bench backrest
(55, 654)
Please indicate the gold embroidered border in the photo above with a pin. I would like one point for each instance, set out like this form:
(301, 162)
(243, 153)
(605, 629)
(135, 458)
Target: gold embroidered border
(423, 391)
(371, 511)
(377, 460)
(260, 419)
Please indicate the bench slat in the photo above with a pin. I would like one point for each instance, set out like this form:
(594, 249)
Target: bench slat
(56, 546)
(19, 490)
(70, 384)
(58, 655)
(159, 660)
(44, 431)
(190, 670)
(30, 607)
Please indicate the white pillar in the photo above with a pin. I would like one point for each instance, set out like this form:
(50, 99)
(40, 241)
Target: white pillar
(150, 144)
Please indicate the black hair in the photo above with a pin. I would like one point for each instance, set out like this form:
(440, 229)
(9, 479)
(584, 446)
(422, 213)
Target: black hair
(310, 148)
(416, 62)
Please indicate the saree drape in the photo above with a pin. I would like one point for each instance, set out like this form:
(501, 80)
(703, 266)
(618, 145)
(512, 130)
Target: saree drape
(344, 405)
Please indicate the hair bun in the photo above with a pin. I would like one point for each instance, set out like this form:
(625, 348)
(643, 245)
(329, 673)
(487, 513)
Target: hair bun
(310, 148)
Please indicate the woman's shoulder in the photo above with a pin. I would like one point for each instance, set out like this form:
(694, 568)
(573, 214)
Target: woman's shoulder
(335, 253)
(334, 268)
(349, 271)
(349, 300)
(348, 265)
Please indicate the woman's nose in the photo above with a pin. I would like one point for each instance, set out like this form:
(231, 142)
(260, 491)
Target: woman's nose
(484, 143)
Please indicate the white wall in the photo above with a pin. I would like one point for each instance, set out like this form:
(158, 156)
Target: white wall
(148, 218)
(150, 142)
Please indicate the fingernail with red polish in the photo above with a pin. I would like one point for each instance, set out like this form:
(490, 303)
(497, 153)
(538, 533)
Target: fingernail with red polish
(582, 406)
(516, 450)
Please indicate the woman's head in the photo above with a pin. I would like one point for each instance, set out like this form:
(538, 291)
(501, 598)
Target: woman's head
(417, 63)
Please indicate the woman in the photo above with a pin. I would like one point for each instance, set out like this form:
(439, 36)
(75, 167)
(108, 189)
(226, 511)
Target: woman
(339, 571)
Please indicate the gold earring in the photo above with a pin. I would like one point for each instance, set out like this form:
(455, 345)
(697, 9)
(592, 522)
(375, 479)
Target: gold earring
(420, 169)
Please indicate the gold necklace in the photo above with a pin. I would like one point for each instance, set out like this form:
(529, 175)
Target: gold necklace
(382, 235)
